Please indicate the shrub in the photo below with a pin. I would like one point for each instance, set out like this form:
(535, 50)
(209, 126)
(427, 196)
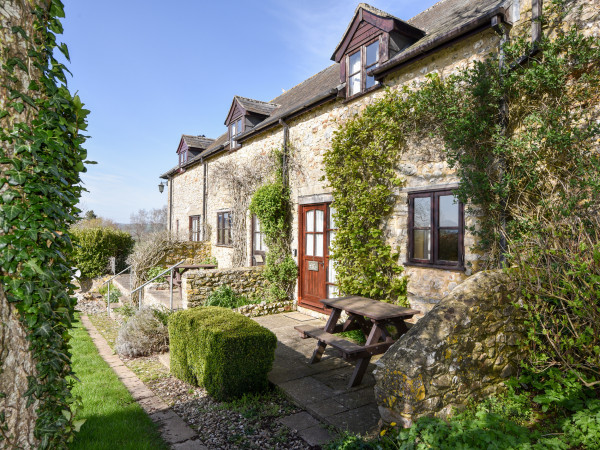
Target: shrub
(226, 297)
(154, 271)
(94, 246)
(223, 351)
(115, 293)
(583, 428)
(144, 333)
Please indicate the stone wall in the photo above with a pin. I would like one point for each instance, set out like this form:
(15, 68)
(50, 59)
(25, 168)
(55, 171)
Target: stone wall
(198, 284)
(192, 252)
(186, 188)
(462, 350)
(266, 308)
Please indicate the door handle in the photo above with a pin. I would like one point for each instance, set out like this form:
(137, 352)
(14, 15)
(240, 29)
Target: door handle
(322, 263)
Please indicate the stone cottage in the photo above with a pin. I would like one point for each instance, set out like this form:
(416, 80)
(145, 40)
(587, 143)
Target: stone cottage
(377, 50)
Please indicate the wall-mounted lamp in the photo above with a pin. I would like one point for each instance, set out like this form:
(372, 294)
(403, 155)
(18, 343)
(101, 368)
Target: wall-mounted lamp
(161, 186)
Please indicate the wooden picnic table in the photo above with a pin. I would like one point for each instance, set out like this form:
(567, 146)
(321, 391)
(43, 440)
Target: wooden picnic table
(371, 317)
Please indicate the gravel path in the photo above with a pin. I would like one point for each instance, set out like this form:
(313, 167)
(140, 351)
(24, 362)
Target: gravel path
(248, 423)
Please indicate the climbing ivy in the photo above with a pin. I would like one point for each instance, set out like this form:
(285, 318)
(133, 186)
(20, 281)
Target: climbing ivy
(523, 137)
(360, 166)
(41, 159)
(272, 205)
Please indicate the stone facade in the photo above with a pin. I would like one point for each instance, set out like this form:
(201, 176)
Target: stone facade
(422, 165)
(185, 200)
(462, 350)
(198, 284)
(192, 252)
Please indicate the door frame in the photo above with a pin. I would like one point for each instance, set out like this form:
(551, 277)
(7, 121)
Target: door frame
(302, 250)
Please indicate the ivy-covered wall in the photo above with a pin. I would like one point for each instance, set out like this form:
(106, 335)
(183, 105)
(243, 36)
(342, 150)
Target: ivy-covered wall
(41, 157)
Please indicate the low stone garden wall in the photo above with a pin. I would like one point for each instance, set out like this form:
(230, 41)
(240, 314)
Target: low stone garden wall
(462, 350)
(265, 308)
(192, 252)
(198, 284)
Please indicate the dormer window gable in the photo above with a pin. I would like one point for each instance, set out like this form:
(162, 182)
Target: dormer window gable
(372, 37)
(245, 114)
(191, 146)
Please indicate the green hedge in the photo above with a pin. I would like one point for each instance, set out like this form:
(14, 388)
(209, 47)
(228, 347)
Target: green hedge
(223, 351)
(93, 247)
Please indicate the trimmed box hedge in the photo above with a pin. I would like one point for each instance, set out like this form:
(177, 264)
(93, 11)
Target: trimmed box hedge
(223, 351)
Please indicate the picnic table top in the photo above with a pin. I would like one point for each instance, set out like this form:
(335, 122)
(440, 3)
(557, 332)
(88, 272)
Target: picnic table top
(373, 309)
(197, 266)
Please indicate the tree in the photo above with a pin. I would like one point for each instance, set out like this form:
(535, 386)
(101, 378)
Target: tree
(40, 161)
(147, 221)
(90, 214)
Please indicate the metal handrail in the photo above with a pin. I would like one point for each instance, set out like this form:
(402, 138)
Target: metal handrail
(108, 291)
(170, 269)
(115, 276)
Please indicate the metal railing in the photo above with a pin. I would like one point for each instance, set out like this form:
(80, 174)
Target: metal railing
(108, 291)
(170, 269)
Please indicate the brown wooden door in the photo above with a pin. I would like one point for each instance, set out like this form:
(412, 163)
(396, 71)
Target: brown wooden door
(313, 252)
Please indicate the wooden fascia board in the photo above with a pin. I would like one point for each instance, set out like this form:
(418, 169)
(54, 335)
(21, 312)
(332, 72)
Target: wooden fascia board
(229, 118)
(182, 146)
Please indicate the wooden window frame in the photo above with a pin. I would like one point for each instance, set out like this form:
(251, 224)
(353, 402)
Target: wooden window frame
(253, 241)
(224, 238)
(328, 229)
(232, 142)
(434, 261)
(183, 157)
(198, 233)
(363, 69)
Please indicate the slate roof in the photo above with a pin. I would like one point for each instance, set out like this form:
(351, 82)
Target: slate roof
(319, 85)
(440, 20)
(445, 18)
(256, 106)
(200, 142)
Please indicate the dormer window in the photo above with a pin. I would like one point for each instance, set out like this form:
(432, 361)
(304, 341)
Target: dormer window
(359, 63)
(183, 157)
(372, 38)
(235, 128)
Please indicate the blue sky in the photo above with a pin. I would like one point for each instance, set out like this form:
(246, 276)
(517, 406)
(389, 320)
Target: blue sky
(152, 70)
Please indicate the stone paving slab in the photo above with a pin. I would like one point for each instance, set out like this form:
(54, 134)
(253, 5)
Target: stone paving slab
(173, 429)
(309, 428)
(320, 388)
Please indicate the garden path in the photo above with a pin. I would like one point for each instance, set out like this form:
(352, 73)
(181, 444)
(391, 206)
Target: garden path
(320, 388)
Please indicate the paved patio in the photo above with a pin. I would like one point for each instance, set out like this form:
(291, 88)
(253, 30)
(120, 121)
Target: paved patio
(320, 388)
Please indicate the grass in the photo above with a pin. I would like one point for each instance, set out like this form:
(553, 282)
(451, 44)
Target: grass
(113, 419)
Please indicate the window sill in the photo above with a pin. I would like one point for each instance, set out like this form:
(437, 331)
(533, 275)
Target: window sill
(435, 266)
(224, 245)
(365, 92)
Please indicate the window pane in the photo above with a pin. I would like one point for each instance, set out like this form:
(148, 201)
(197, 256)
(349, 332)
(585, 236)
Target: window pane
(422, 212)
(448, 211)
(370, 82)
(331, 217)
(372, 53)
(310, 245)
(448, 245)
(332, 291)
(319, 221)
(354, 82)
(422, 245)
(354, 63)
(310, 220)
(319, 244)
(330, 238)
(257, 241)
(331, 273)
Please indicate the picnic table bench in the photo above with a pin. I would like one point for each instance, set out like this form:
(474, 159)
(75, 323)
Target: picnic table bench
(370, 316)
